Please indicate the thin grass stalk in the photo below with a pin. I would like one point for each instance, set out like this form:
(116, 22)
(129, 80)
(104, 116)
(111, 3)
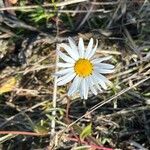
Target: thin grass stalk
(53, 123)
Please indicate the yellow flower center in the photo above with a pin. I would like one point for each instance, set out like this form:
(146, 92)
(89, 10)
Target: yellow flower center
(83, 67)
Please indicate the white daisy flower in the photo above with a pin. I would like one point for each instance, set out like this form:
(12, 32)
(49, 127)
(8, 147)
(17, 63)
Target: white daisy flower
(80, 66)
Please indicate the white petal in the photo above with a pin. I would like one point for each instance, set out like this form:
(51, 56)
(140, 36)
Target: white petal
(92, 88)
(74, 86)
(81, 48)
(100, 81)
(64, 65)
(65, 57)
(64, 76)
(65, 79)
(104, 66)
(98, 60)
(105, 79)
(93, 50)
(94, 80)
(84, 88)
(73, 45)
(64, 71)
(74, 54)
(81, 90)
(103, 71)
(89, 48)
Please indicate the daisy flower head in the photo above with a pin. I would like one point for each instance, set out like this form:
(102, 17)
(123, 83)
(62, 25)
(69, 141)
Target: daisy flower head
(79, 66)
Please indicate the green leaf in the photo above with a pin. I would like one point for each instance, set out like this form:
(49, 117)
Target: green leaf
(53, 2)
(86, 131)
(40, 14)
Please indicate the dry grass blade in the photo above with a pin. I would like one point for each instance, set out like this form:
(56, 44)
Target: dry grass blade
(65, 3)
(29, 33)
(86, 17)
(53, 123)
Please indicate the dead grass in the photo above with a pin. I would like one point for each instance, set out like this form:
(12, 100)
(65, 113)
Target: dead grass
(29, 33)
